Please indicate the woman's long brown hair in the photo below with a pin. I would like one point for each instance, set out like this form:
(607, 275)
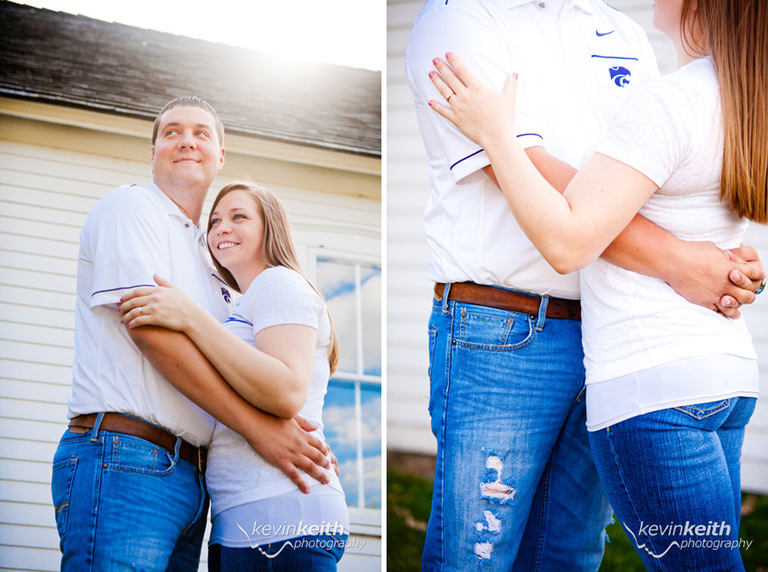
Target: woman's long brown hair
(734, 33)
(278, 246)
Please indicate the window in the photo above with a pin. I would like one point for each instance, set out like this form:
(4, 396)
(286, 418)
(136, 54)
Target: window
(352, 414)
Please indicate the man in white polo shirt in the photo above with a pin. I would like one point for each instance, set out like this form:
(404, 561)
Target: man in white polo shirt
(128, 474)
(515, 485)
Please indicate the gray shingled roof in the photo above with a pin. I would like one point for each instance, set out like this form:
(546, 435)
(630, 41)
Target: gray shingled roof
(58, 58)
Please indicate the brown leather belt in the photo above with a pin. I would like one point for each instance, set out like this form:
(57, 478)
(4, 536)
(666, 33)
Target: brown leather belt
(471, 293)
(144, 430)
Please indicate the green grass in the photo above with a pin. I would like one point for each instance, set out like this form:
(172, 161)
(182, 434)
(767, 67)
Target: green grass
(619, 555)
(754, 527)
(408, 502)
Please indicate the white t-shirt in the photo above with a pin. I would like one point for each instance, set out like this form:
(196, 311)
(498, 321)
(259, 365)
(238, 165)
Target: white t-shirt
(576, 60)
(670, 129)
(236, 474)
(131, 234)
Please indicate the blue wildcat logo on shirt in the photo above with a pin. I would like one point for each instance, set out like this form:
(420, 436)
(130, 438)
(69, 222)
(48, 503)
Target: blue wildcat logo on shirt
(620, 75)
(227, 297)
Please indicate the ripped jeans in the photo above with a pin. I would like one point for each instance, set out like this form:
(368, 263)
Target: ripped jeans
(515, 484)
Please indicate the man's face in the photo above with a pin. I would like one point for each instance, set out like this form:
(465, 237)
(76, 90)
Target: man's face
(187, 152)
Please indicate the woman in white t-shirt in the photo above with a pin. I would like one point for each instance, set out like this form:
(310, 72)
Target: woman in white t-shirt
(277, 350)
(670, 385)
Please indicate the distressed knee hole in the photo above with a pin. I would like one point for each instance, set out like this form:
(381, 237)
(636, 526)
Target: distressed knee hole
(495, 490)
(483, 550)
(491, 523)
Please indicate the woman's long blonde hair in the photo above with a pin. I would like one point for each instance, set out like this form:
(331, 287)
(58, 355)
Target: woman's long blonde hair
(734, 33)
(278, 246)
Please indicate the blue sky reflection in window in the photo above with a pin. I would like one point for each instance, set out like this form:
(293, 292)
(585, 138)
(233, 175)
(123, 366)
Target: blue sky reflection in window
(352, 412)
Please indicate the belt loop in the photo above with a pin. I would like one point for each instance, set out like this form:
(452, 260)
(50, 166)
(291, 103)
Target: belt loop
(96, 427)
(542, 317)
(446, 292)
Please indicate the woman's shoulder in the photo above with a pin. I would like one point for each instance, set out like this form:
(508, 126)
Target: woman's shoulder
(280, 281)
(279, 294)
(281, 275)
(700, 70)
(693, 89)
(694, 77)
(679, 95)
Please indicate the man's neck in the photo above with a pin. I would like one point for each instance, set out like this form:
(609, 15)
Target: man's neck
(188, 200)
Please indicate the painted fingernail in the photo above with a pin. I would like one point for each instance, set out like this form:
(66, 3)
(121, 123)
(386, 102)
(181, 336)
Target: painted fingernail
(514, 75)
(449, 55)
(435, 61)
(430, 103)
(431, 74)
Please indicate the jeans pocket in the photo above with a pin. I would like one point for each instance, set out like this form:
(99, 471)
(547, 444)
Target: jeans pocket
(704, 410)
(482, 328)
(62, 479)
(136, 455)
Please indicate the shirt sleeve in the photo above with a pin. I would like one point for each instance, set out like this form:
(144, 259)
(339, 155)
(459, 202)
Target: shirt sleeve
(125, 240)
(460, 28)
(280, 296)
(653, 130)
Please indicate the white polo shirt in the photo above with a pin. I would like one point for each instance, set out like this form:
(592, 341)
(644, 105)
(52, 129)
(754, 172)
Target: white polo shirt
(576, 60)
(131, 234)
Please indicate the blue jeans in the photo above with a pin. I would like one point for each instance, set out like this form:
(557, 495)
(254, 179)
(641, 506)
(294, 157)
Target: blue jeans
(515, 484)
(674, 479)
(306, 553)
(123, 503)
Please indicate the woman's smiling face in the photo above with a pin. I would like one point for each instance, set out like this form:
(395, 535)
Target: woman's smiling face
(236, 237)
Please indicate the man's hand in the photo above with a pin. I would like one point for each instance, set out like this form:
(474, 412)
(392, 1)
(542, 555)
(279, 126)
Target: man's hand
(289, 445)
(285, 443)
(720, 281)
(308, 426)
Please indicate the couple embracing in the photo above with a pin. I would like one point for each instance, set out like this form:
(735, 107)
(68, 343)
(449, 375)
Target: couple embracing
(557, 396)
(181, 390)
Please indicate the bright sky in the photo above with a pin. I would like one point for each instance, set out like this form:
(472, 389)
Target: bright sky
(345, 32)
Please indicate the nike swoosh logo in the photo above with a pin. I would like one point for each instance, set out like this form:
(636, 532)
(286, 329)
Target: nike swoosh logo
(601, 34)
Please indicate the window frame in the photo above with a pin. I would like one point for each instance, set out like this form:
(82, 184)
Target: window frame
(363, 520)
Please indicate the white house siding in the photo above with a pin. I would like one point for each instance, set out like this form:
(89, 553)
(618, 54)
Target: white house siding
(48, 183)
(754, 459)
(409, 292)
